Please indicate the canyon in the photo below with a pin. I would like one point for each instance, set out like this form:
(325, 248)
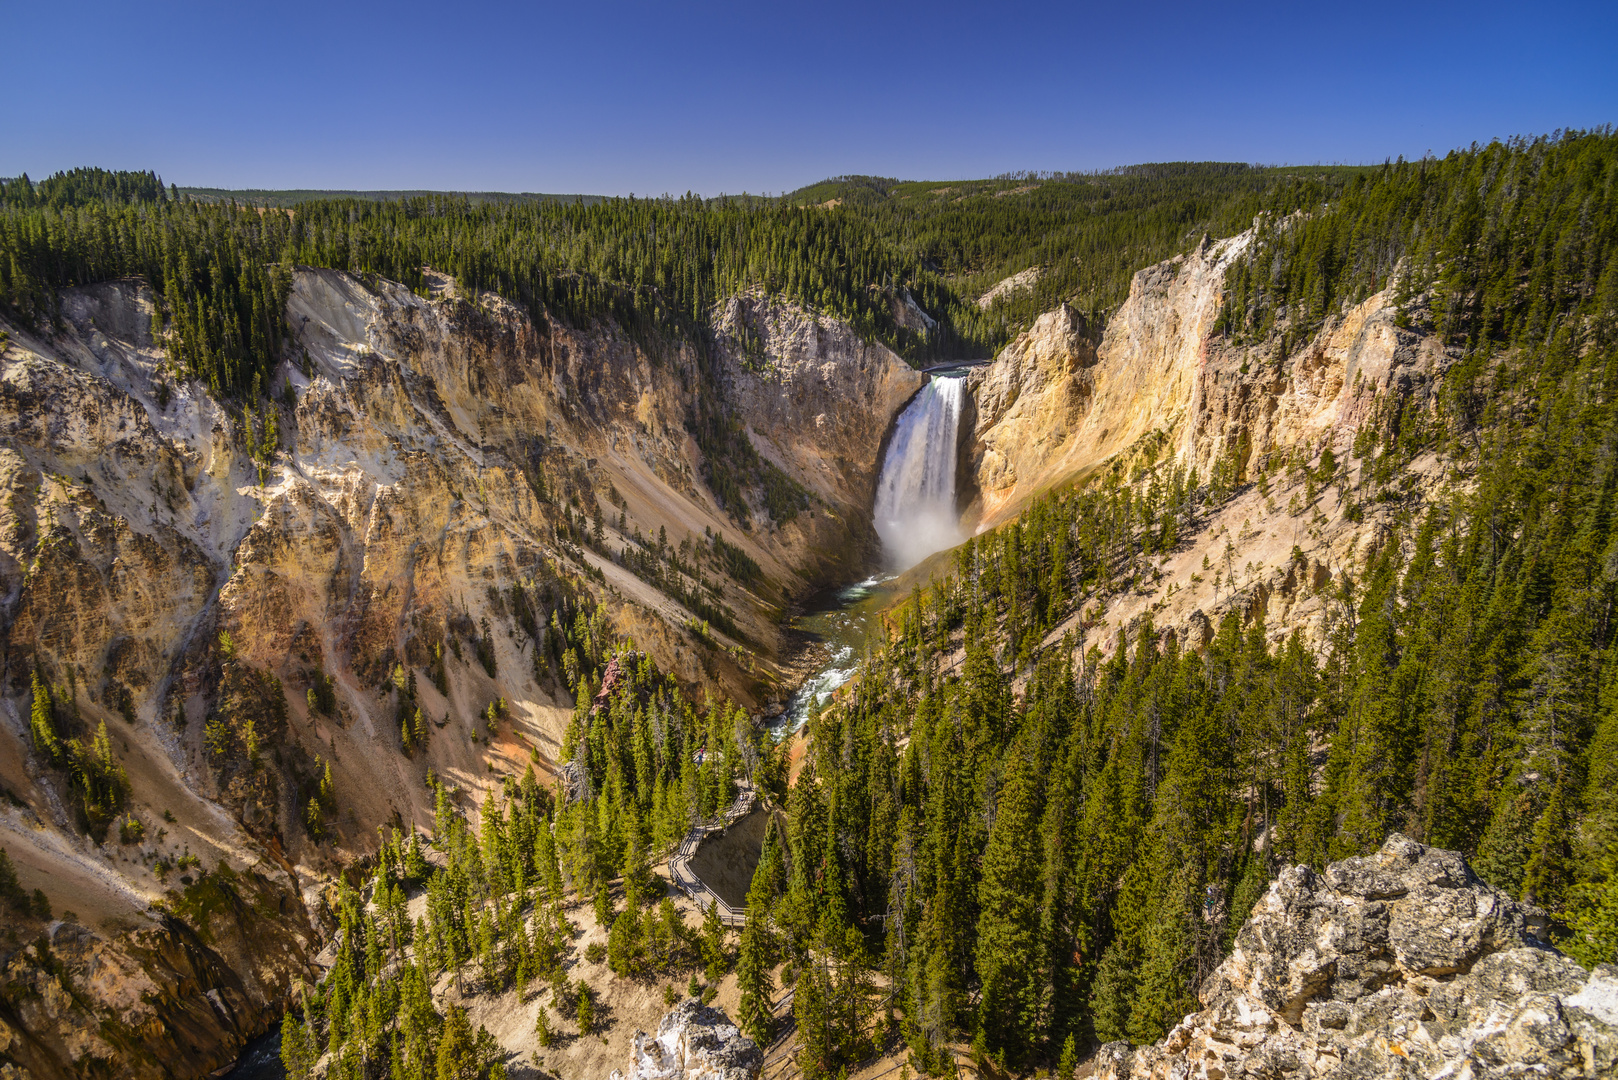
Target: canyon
(439, 475)
(164, 560)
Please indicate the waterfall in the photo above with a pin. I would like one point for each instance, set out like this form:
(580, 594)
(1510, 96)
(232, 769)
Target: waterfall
(915, 496)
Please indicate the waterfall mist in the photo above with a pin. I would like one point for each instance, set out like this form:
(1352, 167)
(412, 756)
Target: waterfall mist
(915, 496)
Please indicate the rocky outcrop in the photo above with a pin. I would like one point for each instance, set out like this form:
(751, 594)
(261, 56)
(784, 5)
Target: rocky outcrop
(1051, 408)
(1252, 402)
(694, 1042)
(1398, 964)
(909, 314)
(1022, 279)
(818, 401)
(1027, 406)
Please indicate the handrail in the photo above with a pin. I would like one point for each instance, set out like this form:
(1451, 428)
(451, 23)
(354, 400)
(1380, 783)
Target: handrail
(680, 871)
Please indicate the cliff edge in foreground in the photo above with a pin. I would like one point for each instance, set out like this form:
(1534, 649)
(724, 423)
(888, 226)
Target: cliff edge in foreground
(1398, 964)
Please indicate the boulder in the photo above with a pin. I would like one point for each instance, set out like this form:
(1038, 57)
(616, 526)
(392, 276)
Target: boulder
(1397, 964)
(694, 1042)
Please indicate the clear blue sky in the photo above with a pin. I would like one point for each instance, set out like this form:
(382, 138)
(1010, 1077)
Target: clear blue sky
(621, 97)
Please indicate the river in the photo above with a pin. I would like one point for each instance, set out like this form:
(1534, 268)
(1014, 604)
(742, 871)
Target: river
(840, 622)
(261, 1059)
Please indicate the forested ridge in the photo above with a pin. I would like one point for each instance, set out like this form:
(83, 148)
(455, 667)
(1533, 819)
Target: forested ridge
(1086, 233)
(657, 266)
(1510, 239)
(284, 198)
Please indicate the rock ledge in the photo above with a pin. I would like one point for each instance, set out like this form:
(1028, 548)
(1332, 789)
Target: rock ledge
(1398, 964)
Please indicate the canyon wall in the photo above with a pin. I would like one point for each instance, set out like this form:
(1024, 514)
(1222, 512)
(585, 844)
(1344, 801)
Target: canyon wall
(1161, 388)
(817, 400)
(397, 510)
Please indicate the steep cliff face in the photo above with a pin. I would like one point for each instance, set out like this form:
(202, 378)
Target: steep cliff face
(818, 401)
(1252, 402)
(1160, 389)
(1027, 411)
(1052, 406)
(1399, 964)
(429, 481)
(154, 994)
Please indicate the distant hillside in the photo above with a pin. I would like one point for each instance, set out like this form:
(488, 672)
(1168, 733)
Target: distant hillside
(1019, 244)
(294, 196)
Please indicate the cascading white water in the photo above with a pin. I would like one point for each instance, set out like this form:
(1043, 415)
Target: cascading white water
(915, 496)
(915, 516)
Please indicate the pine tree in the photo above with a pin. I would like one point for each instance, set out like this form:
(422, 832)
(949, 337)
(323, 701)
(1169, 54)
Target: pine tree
(546, 864)
(415, 864)
(1593, 906)
(623, 943)
(457, 1057)
(810, 1010)
(41, 724)
(1069, 1061)
(11, 890)
(1161, 997)
(1008, 947)
(544, 1034)
(1113, 994)
(713, 944)
(753, 979)
(635, 871)
(298, 1048)
(585, 1011)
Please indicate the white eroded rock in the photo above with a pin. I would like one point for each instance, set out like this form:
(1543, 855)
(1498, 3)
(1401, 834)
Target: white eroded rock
(1398, 964)
(1022, 279)
(694, 1042)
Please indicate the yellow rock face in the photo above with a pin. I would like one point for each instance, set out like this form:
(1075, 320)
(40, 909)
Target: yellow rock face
(163, 558)
(1053, 409)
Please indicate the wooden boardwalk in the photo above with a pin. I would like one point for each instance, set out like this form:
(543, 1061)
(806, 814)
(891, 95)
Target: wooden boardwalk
(680, 871)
